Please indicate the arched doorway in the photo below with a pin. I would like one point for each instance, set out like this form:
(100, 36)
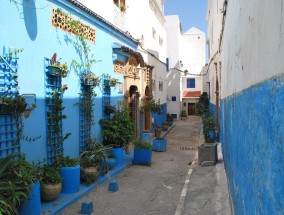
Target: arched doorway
(133, 104)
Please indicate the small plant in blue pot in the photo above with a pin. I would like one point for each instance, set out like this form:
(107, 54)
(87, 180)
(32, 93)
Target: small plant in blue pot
(70, 172)
(142, 152)
(159, 144)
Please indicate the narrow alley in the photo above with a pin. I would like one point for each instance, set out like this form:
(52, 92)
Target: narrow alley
(157, 189)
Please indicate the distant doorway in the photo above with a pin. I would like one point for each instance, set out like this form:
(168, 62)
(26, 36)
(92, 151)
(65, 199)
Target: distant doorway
(191, 108)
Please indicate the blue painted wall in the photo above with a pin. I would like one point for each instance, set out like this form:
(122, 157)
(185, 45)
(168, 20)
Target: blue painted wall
(31, 29)
(253, 147)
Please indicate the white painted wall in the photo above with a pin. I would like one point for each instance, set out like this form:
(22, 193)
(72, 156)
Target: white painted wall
(173, 40)
(173, 78)
(253, 43)
(192, 50)
(214, 19)
(140, 20)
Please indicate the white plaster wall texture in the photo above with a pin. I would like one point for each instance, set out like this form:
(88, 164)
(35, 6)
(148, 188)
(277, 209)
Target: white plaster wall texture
(173, 40)
(198, 83)
(174, 77)
(253, 43)
(214, 19)
(193, 50)
(159, 75)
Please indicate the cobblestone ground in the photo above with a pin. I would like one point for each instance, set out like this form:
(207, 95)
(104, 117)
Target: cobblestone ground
(151, 190)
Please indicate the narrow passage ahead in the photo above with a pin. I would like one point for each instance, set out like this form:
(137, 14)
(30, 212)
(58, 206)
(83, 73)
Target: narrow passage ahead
(151, 190)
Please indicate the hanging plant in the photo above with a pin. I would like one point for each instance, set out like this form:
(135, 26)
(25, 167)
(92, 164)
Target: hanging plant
(113, 82)
(90, 79)
(56, 68)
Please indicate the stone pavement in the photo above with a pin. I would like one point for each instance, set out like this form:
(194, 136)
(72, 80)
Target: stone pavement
(207, 192)
(174, 184)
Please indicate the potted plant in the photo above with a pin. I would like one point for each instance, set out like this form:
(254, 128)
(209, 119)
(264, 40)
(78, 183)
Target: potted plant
(118, 132)
(165, 126)
(159, 144)
(90, 79)
(148, 107)
(183, 114)
(51, 184)
(142, 152)
(56, 68)
(207, 152)
(89, 168)
(12, 105)
(19, 187)
(27, 176)
(70, 172)
(170, 119)
(113, 82)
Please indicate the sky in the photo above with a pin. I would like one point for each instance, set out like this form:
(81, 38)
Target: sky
(191, 13)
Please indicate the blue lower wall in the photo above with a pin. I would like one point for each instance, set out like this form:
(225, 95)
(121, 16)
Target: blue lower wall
(253, 147)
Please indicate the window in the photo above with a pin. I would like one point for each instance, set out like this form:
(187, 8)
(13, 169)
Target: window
(174, 98)
(191, 83)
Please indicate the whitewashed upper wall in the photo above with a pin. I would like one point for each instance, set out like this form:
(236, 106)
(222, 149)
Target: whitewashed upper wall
(192, 52)
(138, 20)
(253, 43)
(173, 40)
(214, 24)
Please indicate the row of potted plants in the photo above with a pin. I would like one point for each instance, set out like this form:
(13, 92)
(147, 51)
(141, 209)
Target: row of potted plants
(88, 78)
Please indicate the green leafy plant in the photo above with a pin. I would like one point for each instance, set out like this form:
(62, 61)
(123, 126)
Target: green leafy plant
(55, 117)
(202, 106)
(67, 161)
(142, 144)
(119, 131)
(208, 124)
(151, 106)
(183, 113)
(16, 178)
(109, 109)
(15, 106)
(50, 175)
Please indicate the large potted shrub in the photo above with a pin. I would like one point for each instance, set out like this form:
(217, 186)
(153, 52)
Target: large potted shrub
(51, 184)
(118, 132)
(69, 169)
(142, 152)
(20, 188)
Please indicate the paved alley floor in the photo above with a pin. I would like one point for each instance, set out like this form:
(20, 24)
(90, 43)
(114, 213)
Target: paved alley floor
(160, 189)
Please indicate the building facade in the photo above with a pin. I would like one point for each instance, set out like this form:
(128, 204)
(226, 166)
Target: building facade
(251, 101)
(186, 53)
(46, 30)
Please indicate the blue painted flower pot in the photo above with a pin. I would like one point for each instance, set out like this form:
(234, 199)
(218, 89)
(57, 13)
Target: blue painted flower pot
(119, 155)
(146, 136)
(33, 205)
(111, 163)
(142, 156)
(212, 135)
(159, 145)
(70, 179)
